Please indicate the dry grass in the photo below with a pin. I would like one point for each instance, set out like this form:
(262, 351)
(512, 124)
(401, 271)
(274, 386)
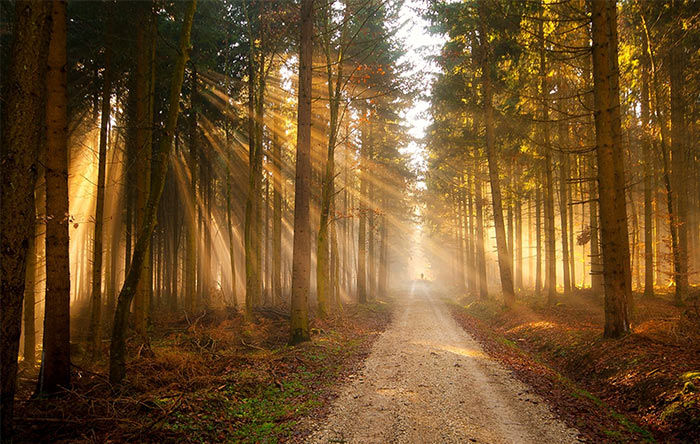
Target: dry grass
(212, 377)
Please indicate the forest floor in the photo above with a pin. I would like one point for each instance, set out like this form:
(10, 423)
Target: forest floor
(643, 387)
(427, 380)
(213, 378)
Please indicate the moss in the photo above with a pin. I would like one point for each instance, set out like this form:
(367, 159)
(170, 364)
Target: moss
(614, 435)
(506, 341)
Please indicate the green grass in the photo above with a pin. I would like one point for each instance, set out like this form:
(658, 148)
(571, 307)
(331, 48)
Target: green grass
(623, 420)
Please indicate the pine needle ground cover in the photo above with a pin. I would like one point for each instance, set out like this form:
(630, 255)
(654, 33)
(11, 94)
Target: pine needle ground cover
(214, 378)
(642, 388)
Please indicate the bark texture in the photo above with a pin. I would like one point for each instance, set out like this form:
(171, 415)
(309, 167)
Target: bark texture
(22, 118)
(301, 259)
(611, 175)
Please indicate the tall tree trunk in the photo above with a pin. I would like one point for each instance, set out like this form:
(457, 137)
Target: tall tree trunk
(538, 242)
(504, 265)
(117, 369)
(648, 175)
(55, 371)
(563, 209)
(460, 234)
(550, 281)
(30, 303)
(94, 336)
(145, 41)
(480, 253)
(191, 212)
(611, 174)
(596, 257)
(301, 260)
(252, 224)
(22, 121)
(267, 244)
(205, 230)
(335, 261)
(518, 244)
(361, 241)
(278, 180)
(666, 163)
(471, 249)
(679, 159)
(328, 185)
(510, 219)
(229, 213)
(572, 246)
(371, 239)
(384, 258)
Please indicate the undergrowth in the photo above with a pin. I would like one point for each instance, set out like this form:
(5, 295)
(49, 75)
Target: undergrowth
(646, 382)
(211, 378)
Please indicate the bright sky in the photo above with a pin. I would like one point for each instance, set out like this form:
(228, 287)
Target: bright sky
(420, 46)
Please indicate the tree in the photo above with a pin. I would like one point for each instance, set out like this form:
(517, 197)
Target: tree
(96, 300)
(334, 82)
(301, 259)
(55, 363)
(22, 117)
(159, 168)
(611, 173)
(504, 264)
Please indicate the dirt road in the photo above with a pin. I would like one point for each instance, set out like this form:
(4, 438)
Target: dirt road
(427, 381)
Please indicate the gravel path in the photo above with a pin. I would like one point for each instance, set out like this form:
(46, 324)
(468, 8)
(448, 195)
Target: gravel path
(427, 380)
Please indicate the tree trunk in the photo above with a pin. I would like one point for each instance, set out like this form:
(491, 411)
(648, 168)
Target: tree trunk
(518, 244)
(301, 260)
(648, 175)
(504, 265)
(55, 371)
(563, 209)
(550, 281)
(94, 336)
(383, 259)
(572, 246)
(191, 212)
(611, 174)
(371, 238)
(229, 213)
(596, 257)
(679, 159)
(471, 249)
(278, 180)
(252, 224)
(22, 117)
(361, 241)
(480, 253)
(510, 220)
(145, 41)
(117, 369)
(327, 186)
(538, 246)
(30, 303)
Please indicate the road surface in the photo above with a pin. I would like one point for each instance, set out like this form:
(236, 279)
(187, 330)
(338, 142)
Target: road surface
(426, 380)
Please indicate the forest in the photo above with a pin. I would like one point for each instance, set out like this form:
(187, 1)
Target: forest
(350, 221)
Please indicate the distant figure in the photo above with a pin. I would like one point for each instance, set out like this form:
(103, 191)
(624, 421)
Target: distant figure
(421, 277)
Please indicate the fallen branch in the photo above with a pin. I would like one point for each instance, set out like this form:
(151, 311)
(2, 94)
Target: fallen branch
(252, 346)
